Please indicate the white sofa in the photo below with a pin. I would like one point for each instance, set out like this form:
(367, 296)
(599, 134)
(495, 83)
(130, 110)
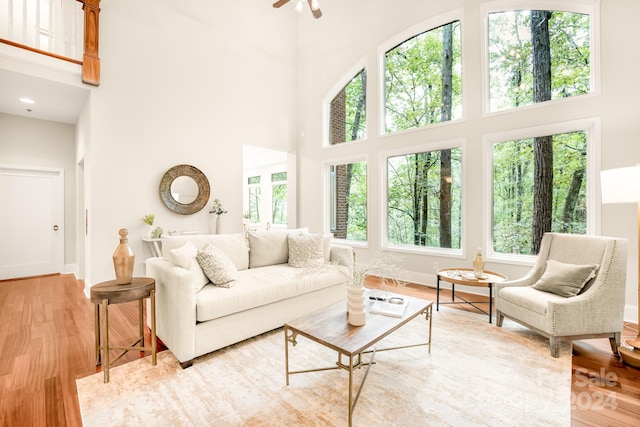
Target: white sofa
(193, 320)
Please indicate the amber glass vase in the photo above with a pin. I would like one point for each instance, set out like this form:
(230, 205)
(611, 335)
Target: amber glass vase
(123, 259)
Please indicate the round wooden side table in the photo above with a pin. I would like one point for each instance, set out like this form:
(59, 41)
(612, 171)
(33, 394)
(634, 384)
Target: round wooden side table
(464, 276)
(105, 293)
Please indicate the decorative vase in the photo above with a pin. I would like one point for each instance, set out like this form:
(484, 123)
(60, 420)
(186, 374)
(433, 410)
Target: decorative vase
(214, 224)
(356, 312)
(478, 265)
(123, 259)
(150, 232)
(218, 225)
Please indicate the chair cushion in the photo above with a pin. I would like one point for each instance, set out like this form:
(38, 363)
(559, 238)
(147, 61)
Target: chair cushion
(528, 298)
(565, 280)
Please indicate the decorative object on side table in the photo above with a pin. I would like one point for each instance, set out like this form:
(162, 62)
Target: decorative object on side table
(148, 219)
(622, 185)
(218, 211)
(478, 265)
(123, 259)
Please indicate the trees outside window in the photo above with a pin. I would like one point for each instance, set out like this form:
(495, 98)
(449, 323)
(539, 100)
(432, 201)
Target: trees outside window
(348, 200)
(255, 192)
(424, 192)
(347, 117)
(279, 198)
(517, 185)
(423, 80)
(537, 56)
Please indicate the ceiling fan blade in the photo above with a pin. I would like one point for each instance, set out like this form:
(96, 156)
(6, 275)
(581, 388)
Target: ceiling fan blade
(317, 13)
(280, 3)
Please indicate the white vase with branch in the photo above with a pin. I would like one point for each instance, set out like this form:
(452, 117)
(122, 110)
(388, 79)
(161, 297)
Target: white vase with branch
(384, 266)
(217, 210)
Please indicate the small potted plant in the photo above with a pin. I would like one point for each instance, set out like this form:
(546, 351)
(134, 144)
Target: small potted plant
(148, 219)
(218, 210)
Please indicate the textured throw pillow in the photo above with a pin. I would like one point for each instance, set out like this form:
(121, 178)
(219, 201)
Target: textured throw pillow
(305, 250)
(217, 266)
(185, 257)
(565, 280)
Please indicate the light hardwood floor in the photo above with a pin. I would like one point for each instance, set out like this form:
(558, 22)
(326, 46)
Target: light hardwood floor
(47, 342)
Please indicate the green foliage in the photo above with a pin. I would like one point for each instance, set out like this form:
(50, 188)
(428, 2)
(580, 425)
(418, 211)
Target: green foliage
(510, 57)
(513, 184)
(357, 201)
(413, 80)
(279, 203)
(413, 187)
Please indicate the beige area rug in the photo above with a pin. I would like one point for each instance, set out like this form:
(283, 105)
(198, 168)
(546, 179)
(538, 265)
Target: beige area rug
(476, 374)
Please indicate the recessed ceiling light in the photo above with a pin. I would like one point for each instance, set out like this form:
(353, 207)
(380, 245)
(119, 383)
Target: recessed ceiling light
(27, 100)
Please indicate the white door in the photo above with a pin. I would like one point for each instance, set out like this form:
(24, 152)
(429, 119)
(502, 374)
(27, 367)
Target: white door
(31, 221)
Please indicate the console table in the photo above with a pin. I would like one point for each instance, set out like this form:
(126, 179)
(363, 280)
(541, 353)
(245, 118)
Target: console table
(107, 293)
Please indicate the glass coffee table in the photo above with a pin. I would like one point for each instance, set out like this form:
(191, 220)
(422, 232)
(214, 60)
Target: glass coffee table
(329, 327)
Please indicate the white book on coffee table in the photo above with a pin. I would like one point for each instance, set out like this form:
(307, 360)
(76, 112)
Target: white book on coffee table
(387, 309)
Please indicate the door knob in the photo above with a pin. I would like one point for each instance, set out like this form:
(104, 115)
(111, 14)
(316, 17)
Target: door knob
(55, 228)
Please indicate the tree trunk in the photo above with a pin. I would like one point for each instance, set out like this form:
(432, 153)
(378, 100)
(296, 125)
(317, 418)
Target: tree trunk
(359, 107)
(543, 146)
(445, 155)
(570, 203)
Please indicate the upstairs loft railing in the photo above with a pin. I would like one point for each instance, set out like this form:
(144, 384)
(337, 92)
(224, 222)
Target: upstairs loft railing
(63, 29)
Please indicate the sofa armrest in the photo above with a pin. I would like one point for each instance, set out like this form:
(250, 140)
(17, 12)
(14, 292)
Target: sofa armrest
(175, 306)
(342, 255)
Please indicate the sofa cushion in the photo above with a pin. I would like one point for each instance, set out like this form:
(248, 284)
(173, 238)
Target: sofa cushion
(262, 286)
(233, 245)
(565, 280)
(185, 257)
(305, 250)
(217, 266)
(270, 247)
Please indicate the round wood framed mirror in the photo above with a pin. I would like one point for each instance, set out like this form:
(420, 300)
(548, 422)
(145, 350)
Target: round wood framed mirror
(184, 189)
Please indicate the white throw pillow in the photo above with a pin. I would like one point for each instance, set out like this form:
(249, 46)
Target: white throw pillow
(565, 280)
(217, 266)
(305, 250)
(270, 247)
(326, 247)
(185, 257)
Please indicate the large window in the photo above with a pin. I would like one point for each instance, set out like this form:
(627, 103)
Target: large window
(348, 200)
(423, 80)
(279, 198)
(253, 214)
(537, 56)
(424, 192)
(347, 117)
(539, 185)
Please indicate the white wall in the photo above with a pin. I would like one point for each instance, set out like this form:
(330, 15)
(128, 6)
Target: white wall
(183, 82)
(351, 31)
(42, 143)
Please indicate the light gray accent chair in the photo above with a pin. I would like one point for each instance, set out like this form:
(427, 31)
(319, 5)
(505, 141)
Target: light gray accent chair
(596, 312)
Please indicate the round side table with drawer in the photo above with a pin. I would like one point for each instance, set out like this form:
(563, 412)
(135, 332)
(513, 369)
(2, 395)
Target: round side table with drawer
(107, 293)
